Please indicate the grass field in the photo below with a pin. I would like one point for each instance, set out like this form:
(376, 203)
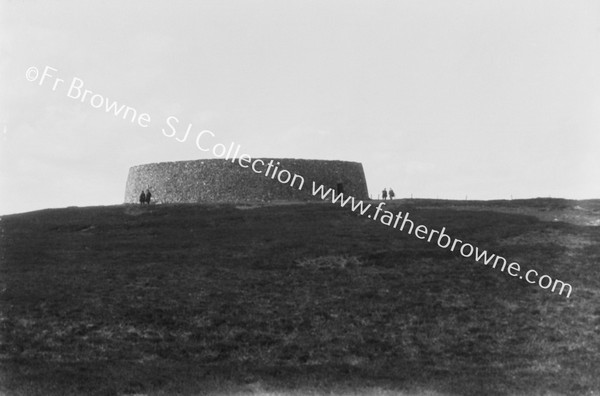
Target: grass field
(297, 299)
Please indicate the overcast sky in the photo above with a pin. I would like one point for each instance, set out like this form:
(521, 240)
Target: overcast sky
(448, 99)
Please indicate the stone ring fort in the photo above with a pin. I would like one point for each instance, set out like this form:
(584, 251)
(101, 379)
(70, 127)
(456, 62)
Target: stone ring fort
(222, 180)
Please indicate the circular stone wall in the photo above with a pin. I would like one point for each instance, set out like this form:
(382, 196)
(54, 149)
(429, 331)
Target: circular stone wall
(220, 180)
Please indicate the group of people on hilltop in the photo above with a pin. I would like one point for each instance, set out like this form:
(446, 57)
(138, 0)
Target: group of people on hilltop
(145, 197)
(385, 194)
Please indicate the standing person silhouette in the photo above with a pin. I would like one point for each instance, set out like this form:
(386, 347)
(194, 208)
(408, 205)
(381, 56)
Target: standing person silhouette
(384, 194)
(142, 198)
(392, 194)
(148, 196)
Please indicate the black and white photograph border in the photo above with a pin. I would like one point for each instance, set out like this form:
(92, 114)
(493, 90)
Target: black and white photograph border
(244, 197)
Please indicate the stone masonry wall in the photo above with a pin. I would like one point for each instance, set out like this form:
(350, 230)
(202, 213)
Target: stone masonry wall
(220, 180)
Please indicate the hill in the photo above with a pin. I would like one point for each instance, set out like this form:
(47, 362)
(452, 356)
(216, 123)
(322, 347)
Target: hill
(218, 299)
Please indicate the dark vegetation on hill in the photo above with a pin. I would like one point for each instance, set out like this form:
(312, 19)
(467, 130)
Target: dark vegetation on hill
(190, 299)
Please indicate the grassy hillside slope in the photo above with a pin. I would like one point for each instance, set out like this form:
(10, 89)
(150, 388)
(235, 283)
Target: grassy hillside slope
(194, 299)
